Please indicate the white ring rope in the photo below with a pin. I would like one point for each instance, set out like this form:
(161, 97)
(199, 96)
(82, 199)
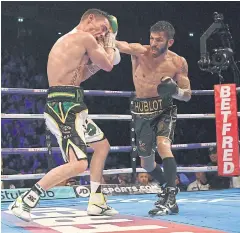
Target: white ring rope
(27, 91)
(110, 172)
(113, 149)
(108, 116)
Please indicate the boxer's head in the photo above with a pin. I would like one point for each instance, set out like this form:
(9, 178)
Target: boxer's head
(161, 37)
(96, 22)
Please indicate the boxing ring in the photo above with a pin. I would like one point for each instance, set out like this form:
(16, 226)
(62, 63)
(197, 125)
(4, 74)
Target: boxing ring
(206, 211)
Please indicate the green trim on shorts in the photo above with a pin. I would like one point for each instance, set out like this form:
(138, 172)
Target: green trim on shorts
(61, 109)
(57, 94)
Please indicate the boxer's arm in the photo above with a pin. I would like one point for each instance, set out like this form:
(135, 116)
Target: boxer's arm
(184, 91)
(92, 69)
(97, 54)
(133, 49)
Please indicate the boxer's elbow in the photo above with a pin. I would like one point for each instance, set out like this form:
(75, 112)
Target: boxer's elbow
(187, 97)
(108, 67)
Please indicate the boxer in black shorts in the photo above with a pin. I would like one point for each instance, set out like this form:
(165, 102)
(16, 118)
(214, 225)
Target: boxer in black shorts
(153, 117)
(159, 75)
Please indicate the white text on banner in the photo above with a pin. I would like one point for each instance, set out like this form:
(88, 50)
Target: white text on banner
(227, 129)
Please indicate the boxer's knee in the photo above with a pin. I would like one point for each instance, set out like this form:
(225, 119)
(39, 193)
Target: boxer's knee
(80, 166)
(148, 163)
(164, 147)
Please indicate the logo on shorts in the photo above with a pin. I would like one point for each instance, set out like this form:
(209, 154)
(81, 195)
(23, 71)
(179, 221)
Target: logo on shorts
(161, 125)
(66, 129)
(142, 146)
(91, 129)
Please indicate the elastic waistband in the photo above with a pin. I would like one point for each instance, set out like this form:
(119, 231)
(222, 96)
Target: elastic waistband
(65, 93)
(150, 105)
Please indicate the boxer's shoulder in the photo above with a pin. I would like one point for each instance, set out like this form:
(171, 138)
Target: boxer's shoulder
(176, 59)
(173, 55)
(80, 35)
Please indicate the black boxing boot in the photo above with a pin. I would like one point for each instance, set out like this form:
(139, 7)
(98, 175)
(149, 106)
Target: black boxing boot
(168, 204)
(161, 194)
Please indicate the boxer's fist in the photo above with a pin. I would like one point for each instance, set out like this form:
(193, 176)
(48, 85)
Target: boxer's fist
(167, 87)
(109, 40)
(117, 57)
(114, 24)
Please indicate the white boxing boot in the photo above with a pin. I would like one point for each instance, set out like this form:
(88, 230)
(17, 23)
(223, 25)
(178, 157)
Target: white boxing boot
(97, 206)
(22, 206)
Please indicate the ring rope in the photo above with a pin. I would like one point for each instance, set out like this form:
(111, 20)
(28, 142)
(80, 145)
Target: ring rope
(113, 149)
(103, 117)
(108, 116)
(109, 172)
(27, 91)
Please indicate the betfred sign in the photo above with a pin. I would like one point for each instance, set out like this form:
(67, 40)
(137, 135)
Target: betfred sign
(227, 129)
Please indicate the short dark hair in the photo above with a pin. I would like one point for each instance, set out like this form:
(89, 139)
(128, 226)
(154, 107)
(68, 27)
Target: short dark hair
(164, 26)
(95, 12)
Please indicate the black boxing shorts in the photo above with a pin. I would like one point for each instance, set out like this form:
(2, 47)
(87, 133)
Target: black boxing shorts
(65, 115)
(152, 117)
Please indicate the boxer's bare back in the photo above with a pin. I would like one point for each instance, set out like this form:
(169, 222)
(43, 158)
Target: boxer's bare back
(147, 71)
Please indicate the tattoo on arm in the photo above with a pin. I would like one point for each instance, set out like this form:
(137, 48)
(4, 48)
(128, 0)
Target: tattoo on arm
(184, 92)
(184, 68)
(182, 75)
(93, 68)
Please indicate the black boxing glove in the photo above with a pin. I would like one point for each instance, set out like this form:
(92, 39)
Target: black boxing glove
(167, 87)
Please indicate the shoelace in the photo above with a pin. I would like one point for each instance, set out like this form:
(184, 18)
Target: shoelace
(26, 208)
(105, 199)
(161, 194)
(170, 199)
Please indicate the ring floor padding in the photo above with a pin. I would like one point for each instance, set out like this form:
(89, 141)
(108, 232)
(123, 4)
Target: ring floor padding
(202, 212)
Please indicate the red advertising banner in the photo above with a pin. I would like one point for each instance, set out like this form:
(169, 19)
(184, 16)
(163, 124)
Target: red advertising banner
(227, 129)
